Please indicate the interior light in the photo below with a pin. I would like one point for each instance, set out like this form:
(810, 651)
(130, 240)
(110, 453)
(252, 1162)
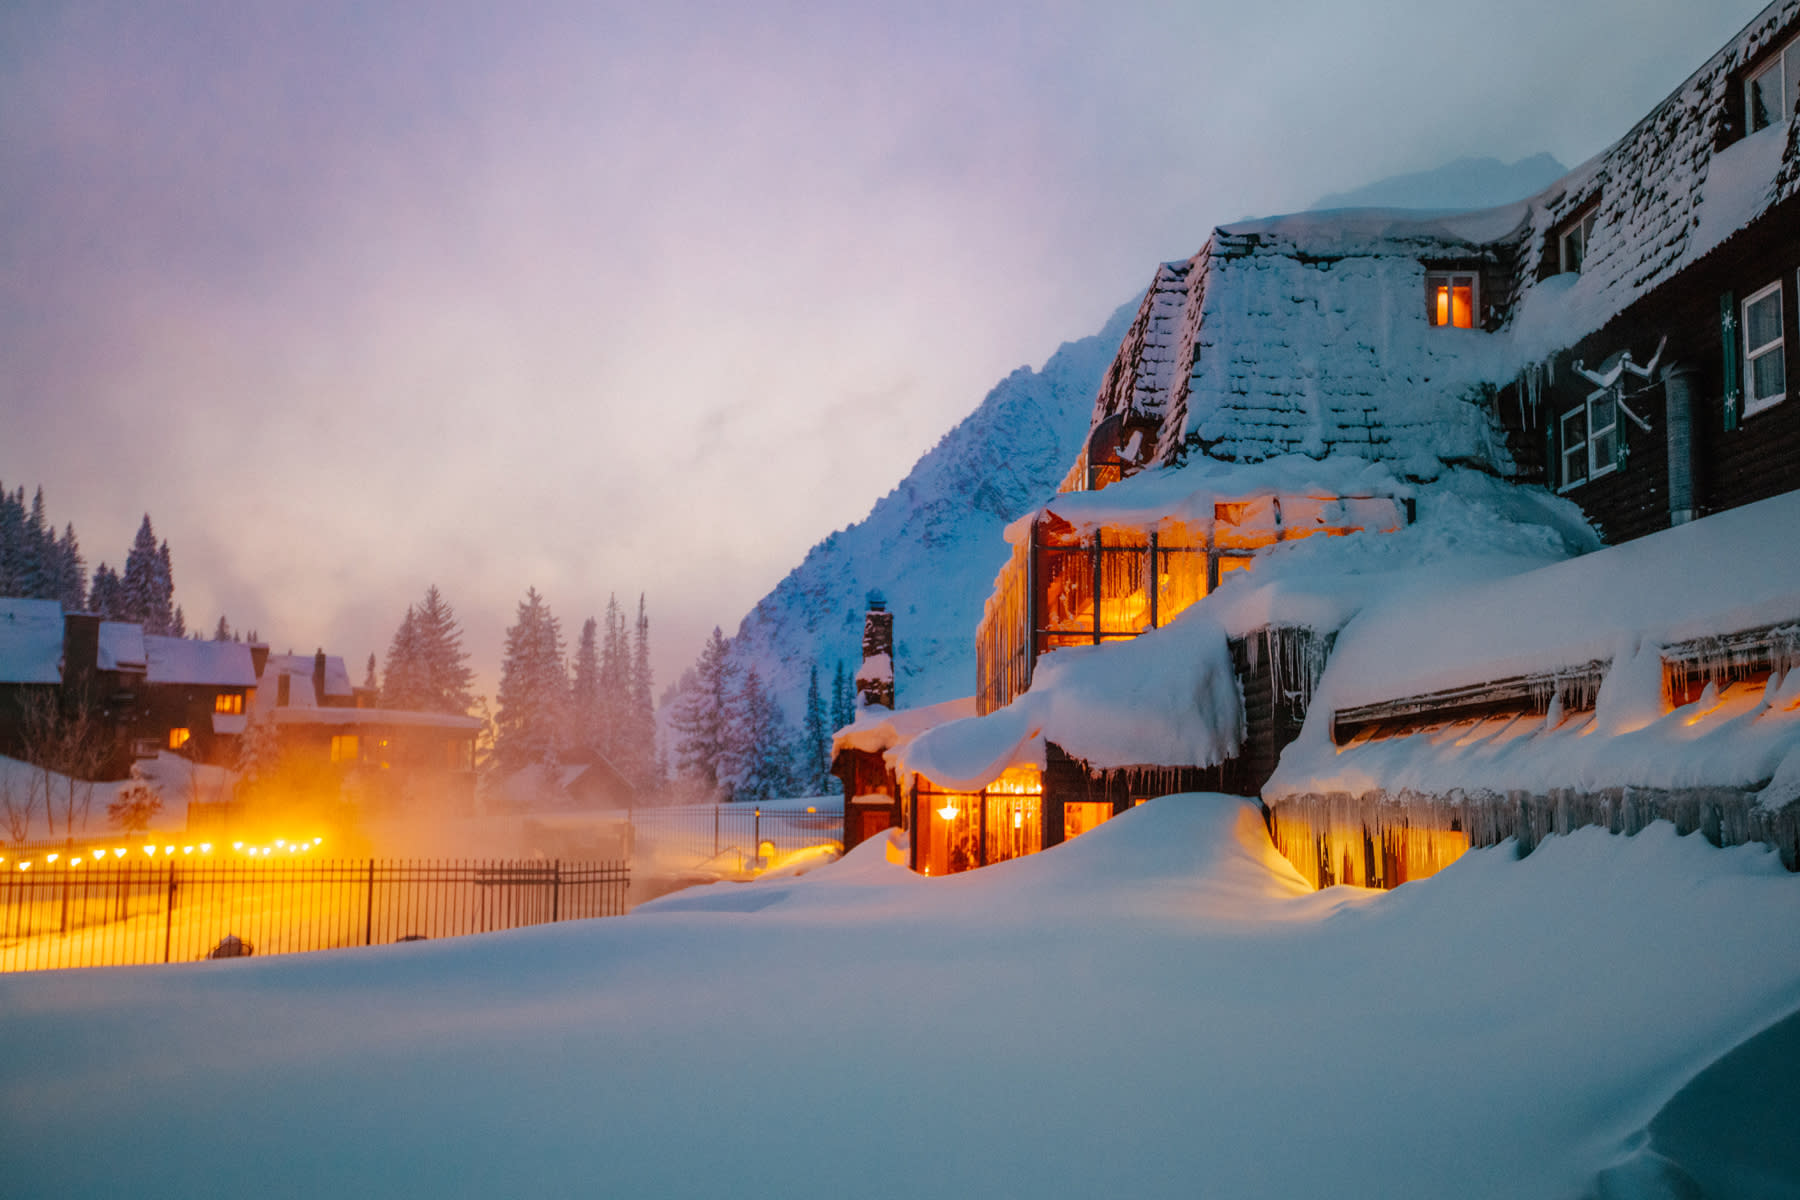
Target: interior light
(50, 858)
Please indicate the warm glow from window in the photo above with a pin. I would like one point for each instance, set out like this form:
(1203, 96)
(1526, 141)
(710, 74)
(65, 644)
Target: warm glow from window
(179, 738)
(229, 703)
(345, 748)
(1452, 300)
(1079, 816)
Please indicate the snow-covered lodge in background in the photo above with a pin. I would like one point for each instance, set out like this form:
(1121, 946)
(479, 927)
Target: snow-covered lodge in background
(140, 696)
(1336, 535)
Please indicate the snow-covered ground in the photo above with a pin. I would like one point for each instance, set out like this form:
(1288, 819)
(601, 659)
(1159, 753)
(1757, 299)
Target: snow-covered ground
(1158, 1007)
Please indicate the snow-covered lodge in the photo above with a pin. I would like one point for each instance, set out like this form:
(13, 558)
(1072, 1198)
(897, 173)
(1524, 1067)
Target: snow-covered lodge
(1336, 537)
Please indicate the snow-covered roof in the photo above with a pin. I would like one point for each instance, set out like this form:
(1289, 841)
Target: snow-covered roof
(358, 717)
(299, 670)
(877, 729)
(177, 660)
(1189, 494)
(1308, 334)
(1167, 698)
(31, 641)
(1733, 571)
(121, 647)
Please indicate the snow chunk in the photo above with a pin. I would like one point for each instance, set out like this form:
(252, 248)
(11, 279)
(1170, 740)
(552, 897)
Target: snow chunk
(121, 646)
(877, 668)
(877, 729)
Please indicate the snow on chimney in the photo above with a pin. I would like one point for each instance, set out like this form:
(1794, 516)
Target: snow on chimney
(875, 678)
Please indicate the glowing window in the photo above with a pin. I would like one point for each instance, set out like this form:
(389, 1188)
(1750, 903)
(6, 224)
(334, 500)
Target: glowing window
(1079, 816)
(1765, 372)
(229, 703)
(1452, 299)
(1770, 94)
(345, 748)
(179, 738)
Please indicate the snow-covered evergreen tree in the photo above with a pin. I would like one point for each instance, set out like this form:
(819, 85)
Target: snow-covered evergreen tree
(70, 573)
(641, 763)
(815, 757)
(107, 596)
(534, 688)
(584, 690)
(222, 631)
(615, 682)
(759, 759)
(698, 720)
(427, 669)
(148, 585)
(370, 682)
(843, 699)
(403, 682)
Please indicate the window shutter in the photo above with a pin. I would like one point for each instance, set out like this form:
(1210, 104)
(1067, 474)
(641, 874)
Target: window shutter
(1733, 351)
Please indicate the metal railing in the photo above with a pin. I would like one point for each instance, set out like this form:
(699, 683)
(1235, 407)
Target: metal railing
(118, 913)
(703, 836)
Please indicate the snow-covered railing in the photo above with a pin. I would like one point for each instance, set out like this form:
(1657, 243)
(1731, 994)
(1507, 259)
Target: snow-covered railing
(1573, 689)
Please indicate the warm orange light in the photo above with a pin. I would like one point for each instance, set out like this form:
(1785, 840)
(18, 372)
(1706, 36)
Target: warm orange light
(179, 738)
(949, 811)
(187, 849)
(169, 850)
(119, 852)
(206, 847)
(150, 850)
(1443, 304)
(237, 845)
(76, 861)
(50, 858)
(24, 866)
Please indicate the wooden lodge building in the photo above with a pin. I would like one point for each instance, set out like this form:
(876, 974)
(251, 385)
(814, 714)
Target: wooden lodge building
(1624, 342)
(141, 695)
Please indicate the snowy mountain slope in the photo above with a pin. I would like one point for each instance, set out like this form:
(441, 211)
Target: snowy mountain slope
(1466, 183)
(932, 545)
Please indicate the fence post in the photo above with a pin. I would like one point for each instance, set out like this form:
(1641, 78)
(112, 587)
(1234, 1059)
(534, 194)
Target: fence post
(169, 923)
(369, 918)
(555, 889)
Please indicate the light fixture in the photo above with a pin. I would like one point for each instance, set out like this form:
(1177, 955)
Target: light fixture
(949, 811)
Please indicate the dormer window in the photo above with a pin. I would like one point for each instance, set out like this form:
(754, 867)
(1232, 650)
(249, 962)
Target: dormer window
(1572, 242)
(1770, 94)
(1451, 298)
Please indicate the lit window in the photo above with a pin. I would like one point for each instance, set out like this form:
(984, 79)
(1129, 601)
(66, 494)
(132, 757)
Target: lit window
(345, 748)
(1590, 439)
(1452, 299)
(179, 738)
(1765, 372)
(1572, 244)
(229, 703)
(1769, 95)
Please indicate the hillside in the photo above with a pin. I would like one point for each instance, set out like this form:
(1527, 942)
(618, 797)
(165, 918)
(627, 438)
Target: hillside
(932, 545)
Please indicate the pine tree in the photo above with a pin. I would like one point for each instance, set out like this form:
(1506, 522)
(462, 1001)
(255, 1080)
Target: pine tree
(403, 684)
(584, 698)
(178, 623)
(222, 631)
(642, 764)
(446, 675)
(534, 688)
(843, 698)
(615, 682)
(148, 585)
(107, 596)
(759, 762)
(698, 720)
(816, 773)
(370, 683)
(71, 573)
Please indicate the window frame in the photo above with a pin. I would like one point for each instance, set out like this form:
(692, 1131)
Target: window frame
(1579, 227)
(1753, 403)
(1785, 63)
(1585, 446)
(1449, 277)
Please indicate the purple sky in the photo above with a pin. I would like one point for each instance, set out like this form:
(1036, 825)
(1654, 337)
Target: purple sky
(650, 297)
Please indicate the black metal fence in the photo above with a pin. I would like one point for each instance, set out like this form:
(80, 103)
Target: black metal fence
(118, 913)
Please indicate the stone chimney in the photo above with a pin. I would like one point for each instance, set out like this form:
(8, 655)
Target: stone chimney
(875, 678)
(319, 679)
